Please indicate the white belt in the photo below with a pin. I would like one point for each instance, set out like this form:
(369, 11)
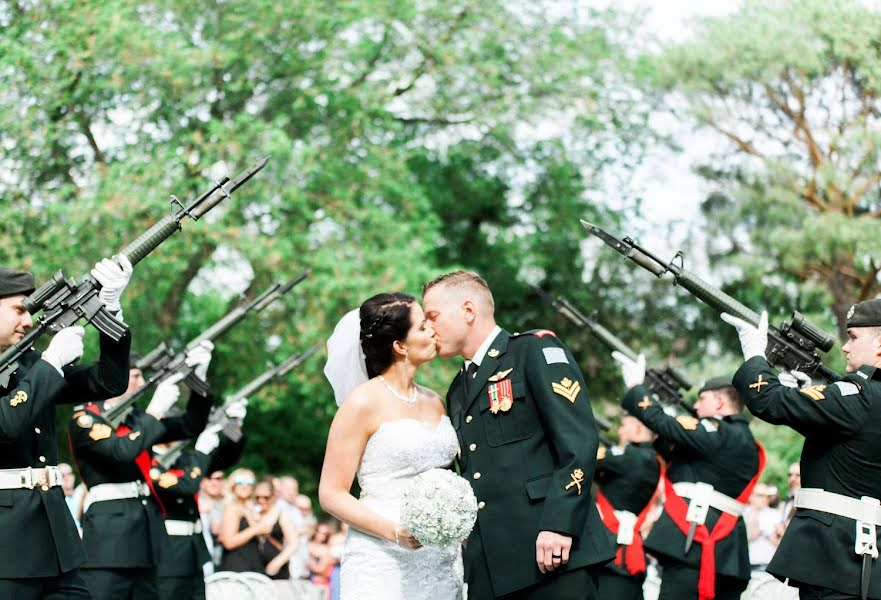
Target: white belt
(626, 525)
(703, 496)
(182, 527)
(118, 491)
(866, 512)
(29, 478)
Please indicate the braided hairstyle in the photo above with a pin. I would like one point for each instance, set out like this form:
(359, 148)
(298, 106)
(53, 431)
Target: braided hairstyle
(385, 319)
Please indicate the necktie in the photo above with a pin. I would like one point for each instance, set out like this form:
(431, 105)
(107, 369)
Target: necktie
(469, 380)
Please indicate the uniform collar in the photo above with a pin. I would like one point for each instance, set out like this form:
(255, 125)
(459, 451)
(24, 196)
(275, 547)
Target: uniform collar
(736, 419)
(484, 347)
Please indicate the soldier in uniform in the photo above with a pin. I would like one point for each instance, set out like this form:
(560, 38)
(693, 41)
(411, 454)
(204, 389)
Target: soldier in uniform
(628, 481)
(829, 549)
(40, 545)
(123, 531)
(180, 566)
(714, 462)
(528, 446)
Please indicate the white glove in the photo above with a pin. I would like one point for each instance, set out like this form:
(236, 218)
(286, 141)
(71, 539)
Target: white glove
(165, 396)
(753, 340)
(632, 371)
(199, 358)
(208, 440)
(237, 410)
(65, 347)
(794, 379)
(113, 275)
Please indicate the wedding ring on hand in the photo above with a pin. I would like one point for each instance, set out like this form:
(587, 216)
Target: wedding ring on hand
(557, 556)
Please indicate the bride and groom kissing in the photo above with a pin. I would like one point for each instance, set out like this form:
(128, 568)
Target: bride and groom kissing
(516, 419)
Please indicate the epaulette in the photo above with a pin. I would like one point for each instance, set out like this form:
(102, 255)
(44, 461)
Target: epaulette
(867, 372)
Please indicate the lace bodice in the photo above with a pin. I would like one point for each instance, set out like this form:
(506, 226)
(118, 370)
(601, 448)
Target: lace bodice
(373, 568)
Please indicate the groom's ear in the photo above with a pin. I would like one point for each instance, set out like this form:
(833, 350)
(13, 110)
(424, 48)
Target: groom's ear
(470, 311)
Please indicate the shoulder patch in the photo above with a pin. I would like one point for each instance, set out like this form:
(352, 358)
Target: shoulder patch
(166, 480)
(847, 388)
(687, 422)
(710, 425)
(555, 355)
(617, 450)
(863, 375)
(543, 333)
(100, 431)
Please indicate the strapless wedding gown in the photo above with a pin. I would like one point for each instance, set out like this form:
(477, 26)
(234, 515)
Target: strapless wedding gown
(375, 569)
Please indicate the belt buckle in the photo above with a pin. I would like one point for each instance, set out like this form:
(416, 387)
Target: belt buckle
(699, 504)
(27, 478)
(866, 535)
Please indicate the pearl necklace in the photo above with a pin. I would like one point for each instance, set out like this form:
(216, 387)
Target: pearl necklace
(406, 400)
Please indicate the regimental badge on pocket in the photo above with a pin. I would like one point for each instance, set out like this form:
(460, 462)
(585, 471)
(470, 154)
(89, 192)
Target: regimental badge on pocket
(501, 396)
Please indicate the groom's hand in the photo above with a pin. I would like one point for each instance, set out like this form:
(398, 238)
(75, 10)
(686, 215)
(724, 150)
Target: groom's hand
(551, 550)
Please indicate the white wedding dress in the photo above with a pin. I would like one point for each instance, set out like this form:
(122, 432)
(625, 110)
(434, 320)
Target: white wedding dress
(374, 569)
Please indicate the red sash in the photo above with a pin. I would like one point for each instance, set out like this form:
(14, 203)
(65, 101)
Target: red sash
(630, 557)
(677, 508)
(142, 460)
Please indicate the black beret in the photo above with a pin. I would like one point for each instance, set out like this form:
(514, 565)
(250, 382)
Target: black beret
(13, 283)
(865, 314)
(716, 383)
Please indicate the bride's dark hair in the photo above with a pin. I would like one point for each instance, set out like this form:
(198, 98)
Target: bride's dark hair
(385, 319)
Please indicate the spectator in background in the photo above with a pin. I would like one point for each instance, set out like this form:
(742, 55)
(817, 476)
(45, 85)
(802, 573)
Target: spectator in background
(211, 491)
(321, 560)
(280, 544)
(787, 507)
(336, 544)
(73, 495)
(304, 503)
(761, 526)
(288, 491)
(241, 526)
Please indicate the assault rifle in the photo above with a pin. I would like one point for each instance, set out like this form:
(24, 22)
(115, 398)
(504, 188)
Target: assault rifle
(64, 301)
(792, 346)
(163, 363)
(218, 416)
(665, 384)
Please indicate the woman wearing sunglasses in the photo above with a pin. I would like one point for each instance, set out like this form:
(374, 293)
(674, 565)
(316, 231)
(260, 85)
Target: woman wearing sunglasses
(241, 526)
(280, 544)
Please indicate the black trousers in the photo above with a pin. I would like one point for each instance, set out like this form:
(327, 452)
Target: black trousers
(679, 582)
(612, 586)
(182, 588)
(64, 586)
(812, 592)
(122, 584)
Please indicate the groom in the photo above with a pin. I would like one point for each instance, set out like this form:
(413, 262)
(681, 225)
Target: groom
(528, 446)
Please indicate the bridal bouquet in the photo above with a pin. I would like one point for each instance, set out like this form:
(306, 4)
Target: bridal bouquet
(439, 508)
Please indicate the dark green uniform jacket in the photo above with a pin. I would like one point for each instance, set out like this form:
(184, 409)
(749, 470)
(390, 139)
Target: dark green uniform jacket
(177, 489)
(39, 536)
(628, 478)
(719, 451)
(128, 532)
(531, 466)
(841, 423)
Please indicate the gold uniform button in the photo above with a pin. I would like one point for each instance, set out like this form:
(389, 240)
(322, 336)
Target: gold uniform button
(468, 419)
(477, 476)
(472, 447)
(481, 504)
(36, 430)
(42, 459)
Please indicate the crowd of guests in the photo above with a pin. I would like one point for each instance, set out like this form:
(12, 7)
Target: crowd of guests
(258, 525)
(767, 516)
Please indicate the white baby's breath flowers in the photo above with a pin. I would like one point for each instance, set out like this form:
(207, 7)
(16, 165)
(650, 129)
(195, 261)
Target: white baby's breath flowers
(439, 508)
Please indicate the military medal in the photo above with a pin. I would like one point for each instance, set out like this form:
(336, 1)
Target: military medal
(501, 396)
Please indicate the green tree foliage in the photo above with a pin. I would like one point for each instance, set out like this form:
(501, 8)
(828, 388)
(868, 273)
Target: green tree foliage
(405, 139)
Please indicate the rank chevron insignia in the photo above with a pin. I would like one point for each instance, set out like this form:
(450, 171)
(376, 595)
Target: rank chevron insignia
(815, 392)
(567, 388)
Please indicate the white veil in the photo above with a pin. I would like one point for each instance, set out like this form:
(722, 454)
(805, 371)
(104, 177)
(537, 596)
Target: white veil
(345, 368)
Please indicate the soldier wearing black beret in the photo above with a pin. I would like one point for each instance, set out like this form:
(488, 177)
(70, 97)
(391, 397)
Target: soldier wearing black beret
(829, 549)
(40, 546)
(714, 462)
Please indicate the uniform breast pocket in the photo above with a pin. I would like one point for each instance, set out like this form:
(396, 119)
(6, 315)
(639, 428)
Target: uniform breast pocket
(515, 424)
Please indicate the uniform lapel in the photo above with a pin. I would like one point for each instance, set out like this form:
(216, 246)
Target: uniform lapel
(488, 367)
(454, 402)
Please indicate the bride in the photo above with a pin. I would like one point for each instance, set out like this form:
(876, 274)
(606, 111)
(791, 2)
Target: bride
(388, 429)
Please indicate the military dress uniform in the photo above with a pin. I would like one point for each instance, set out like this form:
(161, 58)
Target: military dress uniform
(840, 464)
(180, 567)
(628, 481)
(123, 528)
(528, 447)
(720, 452)
(40, 546)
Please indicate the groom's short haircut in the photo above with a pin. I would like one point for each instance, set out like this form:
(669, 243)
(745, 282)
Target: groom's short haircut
(464, 280)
